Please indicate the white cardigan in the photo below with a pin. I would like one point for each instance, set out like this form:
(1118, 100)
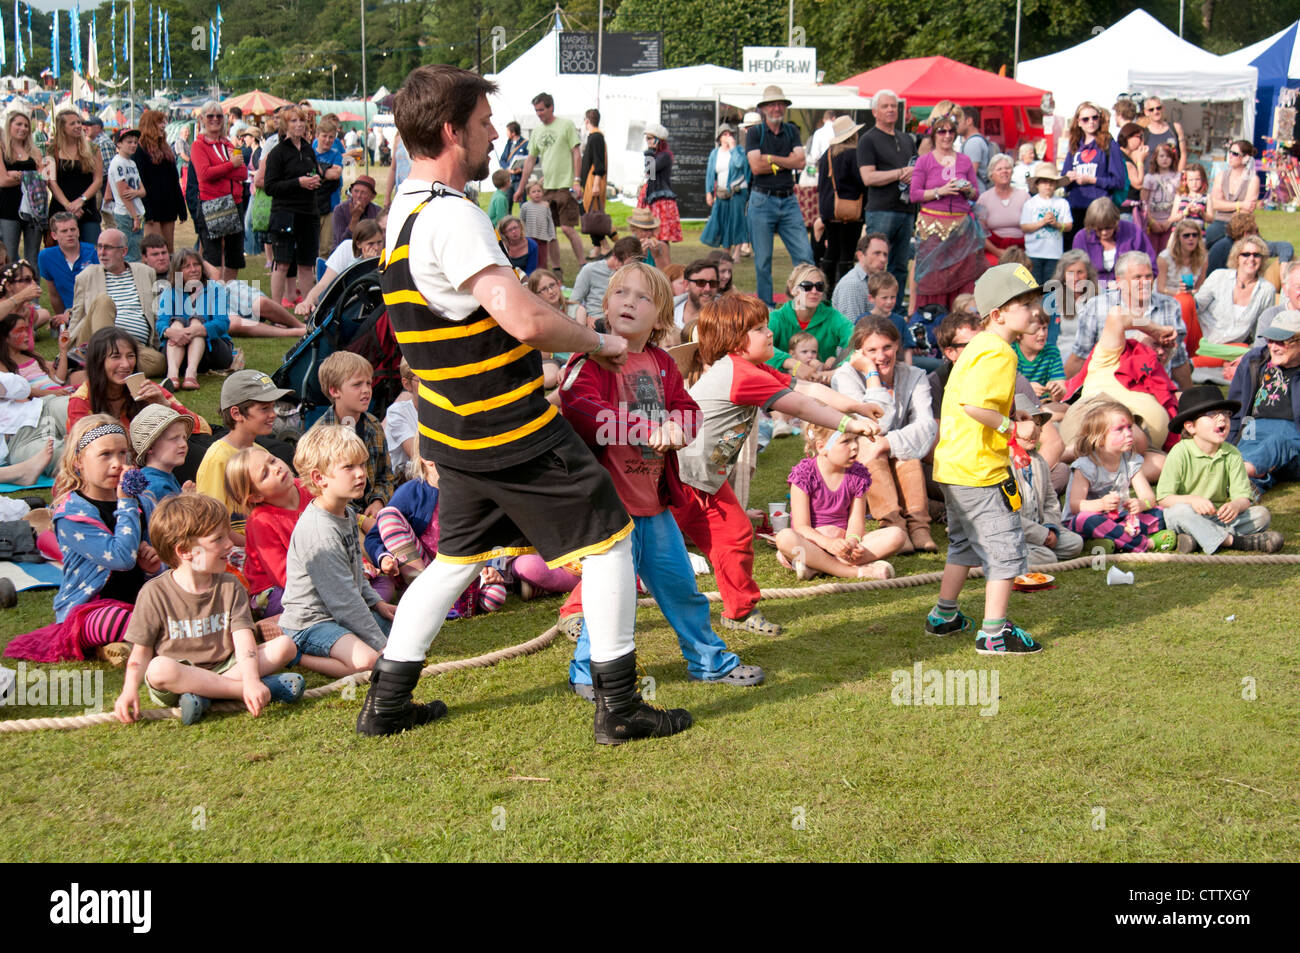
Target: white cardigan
(1220, 321)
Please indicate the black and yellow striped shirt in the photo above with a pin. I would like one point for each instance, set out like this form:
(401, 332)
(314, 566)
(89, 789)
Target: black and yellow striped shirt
(481, 404)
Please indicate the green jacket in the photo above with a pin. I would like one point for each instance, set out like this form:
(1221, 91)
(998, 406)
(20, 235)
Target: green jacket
(832, 330)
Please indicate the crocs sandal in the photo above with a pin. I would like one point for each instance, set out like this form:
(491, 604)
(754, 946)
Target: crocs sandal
(571, 626)
(754, 622)
(190, 383)
(742, 676)
(169, 385)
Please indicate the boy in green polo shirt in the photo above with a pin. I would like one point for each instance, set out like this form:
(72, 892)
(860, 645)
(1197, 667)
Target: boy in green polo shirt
(1203, 489)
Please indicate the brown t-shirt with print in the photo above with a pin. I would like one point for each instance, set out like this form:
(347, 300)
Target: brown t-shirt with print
(186, 627)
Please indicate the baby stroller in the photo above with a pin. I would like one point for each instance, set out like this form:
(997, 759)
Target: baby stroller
(350, 316)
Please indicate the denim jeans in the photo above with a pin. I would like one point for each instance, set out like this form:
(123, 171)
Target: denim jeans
(124, 224)
(769, 217)
(14, 229)
(897, 227)
(659, 554)
(1273, 449)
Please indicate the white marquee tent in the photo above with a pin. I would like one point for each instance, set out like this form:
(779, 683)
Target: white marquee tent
(1140, 54)
(628, 103)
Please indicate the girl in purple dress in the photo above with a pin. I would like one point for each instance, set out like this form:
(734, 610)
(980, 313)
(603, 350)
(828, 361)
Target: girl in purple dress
(828, 514)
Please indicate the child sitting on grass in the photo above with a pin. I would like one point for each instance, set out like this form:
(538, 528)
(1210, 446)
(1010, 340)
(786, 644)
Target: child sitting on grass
(1203, 489)
(735, 342)
(191, 631)
(248, 409)
(645, 407)
(882, 288)
(1098, 504)
(330, 610)
(262, 485)
(346, 378)
(1040, 362)
(160, 438)
(828, 514)
(1040, 513)
(803, 348)
(404, 540)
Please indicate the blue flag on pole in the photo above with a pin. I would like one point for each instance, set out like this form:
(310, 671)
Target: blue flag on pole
(54, 43)
(20, 60)
(112, 43)
(74, 32)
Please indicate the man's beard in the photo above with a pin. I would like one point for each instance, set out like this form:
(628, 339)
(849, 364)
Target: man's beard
(480, 171)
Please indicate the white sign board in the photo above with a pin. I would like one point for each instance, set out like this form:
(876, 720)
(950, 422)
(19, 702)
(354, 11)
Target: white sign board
(781, 62)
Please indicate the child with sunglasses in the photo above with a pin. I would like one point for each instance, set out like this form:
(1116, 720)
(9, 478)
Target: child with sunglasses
(807, 310)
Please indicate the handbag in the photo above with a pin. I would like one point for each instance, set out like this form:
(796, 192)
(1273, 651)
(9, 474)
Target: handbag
(35, 206)
(846, 210)
(221, 216)
(261, 220)
(596, 222)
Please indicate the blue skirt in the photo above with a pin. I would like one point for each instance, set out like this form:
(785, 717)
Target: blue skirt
(727, 224)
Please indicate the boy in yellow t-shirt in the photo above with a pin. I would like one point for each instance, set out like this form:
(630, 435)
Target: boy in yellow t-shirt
(972, 462)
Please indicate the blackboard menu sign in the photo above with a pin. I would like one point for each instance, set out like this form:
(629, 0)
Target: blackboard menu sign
(624, 54)
(691, 127)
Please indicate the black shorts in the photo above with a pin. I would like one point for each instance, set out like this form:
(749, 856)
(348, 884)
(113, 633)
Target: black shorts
(295, 238)
(561, 504)
(231, 245)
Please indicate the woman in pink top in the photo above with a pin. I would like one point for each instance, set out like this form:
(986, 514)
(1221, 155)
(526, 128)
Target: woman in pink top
(950, 249)
(219, 166)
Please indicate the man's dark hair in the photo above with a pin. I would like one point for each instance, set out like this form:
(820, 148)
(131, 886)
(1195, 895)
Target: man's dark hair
(593, 116)
(946, 333)
(865, 241)
(699, 265)
(434, 96)
(720, 254)
(627, 249)
(153, 240)
(513, 126)
(544, 99)
(94, 121)
(972, 113)
(236, 112)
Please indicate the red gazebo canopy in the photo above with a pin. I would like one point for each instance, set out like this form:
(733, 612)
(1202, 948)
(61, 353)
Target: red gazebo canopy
(926, 80)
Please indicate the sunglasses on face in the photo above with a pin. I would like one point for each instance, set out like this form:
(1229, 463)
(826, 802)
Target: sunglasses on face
(704, 282)
(812, 286)
(1089, 118)
(1154, 109)
(1249, 254)
(945, 132)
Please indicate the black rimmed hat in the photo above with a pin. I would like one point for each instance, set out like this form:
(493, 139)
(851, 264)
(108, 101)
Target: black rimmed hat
(1200, 400)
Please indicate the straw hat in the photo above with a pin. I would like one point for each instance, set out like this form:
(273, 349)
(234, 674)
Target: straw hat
(149, 425)
(772, 95)
(1046, 170)
(751, 119)
(642, 218)
(843, 128)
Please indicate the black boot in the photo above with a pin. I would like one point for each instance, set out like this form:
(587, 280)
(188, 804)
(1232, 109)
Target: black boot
(621, 715)
(388, 708)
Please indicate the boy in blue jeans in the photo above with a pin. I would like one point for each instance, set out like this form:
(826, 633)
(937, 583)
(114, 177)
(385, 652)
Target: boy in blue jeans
(972, 464)
(633, 420)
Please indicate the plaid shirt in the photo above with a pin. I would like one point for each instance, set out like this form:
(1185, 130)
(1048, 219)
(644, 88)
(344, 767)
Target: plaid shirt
(380, 479)
(1162, 310)
(107, 150)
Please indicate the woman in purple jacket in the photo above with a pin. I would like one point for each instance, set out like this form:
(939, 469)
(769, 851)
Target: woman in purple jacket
(1094, 164)
(1104, 237)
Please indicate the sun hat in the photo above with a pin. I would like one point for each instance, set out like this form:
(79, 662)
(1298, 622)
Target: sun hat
(1031, 406)
(657, 130)
(1046, 170)
(1284, 327)
(772, 95)
(844, 127)
(149, 425)
(725, 127)
(365, 180)
(1199, 400)
(249, 385)
(642, 218)
(752, 118)
(1000, 284)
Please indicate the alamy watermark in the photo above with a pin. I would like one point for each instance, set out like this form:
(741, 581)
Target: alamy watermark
(958, 687)
(54, 688)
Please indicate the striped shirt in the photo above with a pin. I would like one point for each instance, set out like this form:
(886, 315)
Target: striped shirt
(537, 220)
(130, 313)
(1045, 367)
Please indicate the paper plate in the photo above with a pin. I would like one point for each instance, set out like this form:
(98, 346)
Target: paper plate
(1029, 582)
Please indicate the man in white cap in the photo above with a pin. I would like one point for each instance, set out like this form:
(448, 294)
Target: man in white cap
(775, 153)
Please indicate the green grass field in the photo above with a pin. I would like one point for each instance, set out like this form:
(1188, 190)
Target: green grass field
(1150, 728)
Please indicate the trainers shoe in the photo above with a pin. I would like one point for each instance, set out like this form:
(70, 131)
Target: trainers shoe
(1165, 541)
(193, 707)
(1012, 640)
(1270, 542)
(958, 623)
(526, 591)
(1186, 544)
(584, 690)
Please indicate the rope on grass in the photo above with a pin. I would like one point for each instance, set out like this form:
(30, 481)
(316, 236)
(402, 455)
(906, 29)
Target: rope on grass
(549, 636)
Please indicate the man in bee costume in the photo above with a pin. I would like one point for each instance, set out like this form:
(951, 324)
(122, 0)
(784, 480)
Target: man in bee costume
(513, 476)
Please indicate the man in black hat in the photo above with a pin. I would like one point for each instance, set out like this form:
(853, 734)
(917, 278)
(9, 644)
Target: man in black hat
(775, 154)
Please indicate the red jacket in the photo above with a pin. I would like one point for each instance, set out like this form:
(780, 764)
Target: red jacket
(218, 176)
(593, 400)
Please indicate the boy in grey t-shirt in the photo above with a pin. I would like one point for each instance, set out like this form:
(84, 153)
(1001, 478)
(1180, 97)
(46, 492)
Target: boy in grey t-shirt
(127, 192)
(330, 611)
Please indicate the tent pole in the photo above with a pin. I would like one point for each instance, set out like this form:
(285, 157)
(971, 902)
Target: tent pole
(1180, 18)
(1015, 56)
(600, 47)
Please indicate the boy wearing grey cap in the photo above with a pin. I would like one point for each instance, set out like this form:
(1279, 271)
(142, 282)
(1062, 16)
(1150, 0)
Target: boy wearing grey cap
(972, 464)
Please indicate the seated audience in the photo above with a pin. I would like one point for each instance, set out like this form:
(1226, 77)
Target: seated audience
(1266, 427)
(263, 487)
(118, 293)
(160, 442)
(62, 262)
(192, 323)
(347, 379)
